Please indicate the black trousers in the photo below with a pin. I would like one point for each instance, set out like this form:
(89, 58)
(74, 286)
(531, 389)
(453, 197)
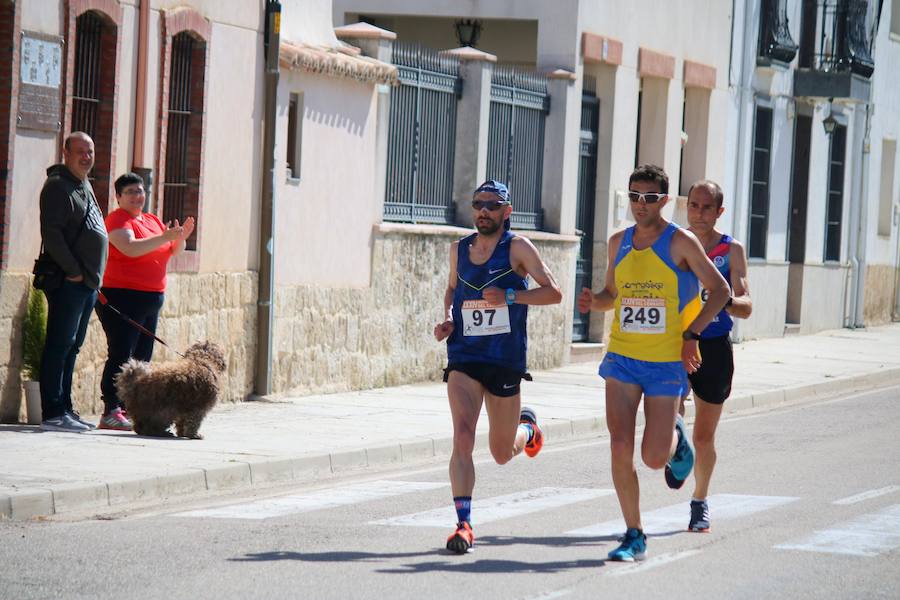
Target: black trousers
(123, 340)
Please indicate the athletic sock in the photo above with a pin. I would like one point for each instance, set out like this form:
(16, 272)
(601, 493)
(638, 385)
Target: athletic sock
(463, 508)
(529, 431)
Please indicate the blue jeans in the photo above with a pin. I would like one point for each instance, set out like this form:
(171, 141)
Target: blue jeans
(124, 340)
(68, 313)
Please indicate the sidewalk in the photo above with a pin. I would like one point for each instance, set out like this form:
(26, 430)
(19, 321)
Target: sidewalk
(315, 437)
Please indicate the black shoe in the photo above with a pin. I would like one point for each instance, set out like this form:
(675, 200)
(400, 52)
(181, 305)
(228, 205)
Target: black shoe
(699, 516)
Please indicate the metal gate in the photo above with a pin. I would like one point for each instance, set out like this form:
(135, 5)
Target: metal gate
(422, 136)
(519, 106)
(584, 217)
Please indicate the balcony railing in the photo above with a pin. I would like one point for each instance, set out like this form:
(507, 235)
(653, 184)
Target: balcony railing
(775, 41)
(844, 43)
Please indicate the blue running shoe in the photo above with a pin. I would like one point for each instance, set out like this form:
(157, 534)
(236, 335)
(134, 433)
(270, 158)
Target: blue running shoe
(679, 466)
(632, 548)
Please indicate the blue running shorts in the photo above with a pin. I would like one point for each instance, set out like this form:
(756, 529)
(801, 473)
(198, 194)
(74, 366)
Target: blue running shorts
(655, 378)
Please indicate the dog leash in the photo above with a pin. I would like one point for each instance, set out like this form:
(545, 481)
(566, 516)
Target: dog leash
(134, 323)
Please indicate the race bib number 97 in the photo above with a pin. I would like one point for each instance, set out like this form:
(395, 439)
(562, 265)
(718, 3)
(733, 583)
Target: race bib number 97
(482, 318)
(643, 315)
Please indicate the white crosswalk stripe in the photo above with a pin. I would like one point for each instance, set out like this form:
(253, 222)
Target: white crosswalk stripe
(675, 517)
(486, 510)
(650, 563)
(318, 500)
(868, 495)
(867, 535)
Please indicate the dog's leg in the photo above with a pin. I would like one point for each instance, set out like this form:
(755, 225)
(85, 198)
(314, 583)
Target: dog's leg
(188, 426)
(152, 427)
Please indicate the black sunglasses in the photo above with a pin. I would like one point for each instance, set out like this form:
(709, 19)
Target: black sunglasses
(648, 198)
(488, 204)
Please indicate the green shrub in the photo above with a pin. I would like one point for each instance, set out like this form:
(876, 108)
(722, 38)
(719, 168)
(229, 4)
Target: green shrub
(34, 332)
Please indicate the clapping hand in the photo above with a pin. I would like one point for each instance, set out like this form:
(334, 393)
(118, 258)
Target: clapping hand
(179, 232)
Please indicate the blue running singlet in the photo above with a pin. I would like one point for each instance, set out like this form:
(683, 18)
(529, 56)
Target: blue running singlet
(483, 333)
(719, 255)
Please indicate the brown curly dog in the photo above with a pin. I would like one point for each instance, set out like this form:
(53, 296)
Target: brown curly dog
(180, 392)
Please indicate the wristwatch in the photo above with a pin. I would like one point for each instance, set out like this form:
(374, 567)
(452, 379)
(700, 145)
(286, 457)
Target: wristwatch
(688, 335)
(510, 296)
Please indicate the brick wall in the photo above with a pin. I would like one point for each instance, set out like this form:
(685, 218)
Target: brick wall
(9, 94)
(110, 14)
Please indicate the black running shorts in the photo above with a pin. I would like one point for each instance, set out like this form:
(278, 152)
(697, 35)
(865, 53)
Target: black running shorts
(498, 381)
(712, 381)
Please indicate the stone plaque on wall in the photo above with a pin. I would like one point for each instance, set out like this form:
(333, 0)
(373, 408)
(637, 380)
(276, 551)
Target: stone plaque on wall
(40, 77)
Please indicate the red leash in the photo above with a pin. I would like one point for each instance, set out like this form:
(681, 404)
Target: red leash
(134, 323)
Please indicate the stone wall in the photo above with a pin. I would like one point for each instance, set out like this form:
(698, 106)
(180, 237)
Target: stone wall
(220, 307)
(330, 339)
(879, 304)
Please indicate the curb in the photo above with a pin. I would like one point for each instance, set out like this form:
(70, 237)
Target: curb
(43, 502)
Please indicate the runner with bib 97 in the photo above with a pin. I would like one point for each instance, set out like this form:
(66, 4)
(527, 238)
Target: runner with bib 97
(486, 309)
(652, 285)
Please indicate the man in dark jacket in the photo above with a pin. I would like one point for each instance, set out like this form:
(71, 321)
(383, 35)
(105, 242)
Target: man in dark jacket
(74, 237)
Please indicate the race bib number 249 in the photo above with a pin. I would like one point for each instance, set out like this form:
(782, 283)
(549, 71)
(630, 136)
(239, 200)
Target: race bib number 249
(643, 315)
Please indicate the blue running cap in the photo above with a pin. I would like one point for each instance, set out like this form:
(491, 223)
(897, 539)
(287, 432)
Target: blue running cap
(493, 186)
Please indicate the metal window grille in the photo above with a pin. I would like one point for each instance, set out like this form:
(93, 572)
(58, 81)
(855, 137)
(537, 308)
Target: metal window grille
(845, 39)
(422, 136)
(759, 185)
(519, 106)
(835, 206)
(86, 96)
(293, 156)
(175, 186)
(587, 195)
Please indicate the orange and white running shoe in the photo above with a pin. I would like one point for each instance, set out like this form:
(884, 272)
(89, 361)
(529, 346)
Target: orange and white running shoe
(537, 440)
(462, 539)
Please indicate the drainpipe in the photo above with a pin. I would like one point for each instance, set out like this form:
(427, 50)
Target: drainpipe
(140, 102)
(859, 292)
(272, 40)
(742, 109)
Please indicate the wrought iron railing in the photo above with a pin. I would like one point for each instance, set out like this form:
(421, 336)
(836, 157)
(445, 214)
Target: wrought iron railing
(422, 136)
(844, 42)
(775, 41)
(519, 104)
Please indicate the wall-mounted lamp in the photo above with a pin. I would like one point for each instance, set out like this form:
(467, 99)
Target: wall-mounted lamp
(468, 31)
(829, 122)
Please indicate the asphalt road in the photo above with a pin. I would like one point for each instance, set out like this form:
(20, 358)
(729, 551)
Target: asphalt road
(806, 505)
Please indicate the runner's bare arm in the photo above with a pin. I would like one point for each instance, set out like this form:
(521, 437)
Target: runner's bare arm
(443, 329)
(741, 304)
(686, 249)
(523, 256)
(604, 299)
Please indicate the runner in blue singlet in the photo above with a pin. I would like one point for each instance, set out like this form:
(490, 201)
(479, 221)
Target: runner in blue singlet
(711, 383)
(486, 308)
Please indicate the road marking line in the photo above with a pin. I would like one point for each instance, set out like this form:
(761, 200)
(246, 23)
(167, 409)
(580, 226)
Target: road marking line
(500, 507)
(650, 563)
(868, 495)
(318, 500)
(675, 517)
(552, 595)
(868, 535)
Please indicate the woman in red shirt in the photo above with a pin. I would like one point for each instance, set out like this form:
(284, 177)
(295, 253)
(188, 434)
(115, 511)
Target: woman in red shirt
(134, 283)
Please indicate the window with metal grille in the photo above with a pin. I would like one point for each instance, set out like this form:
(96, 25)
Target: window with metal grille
(520, 103)
(93, 90)
(294, 136)
(759, 183)
(835, 208)
(422, 136)
(86, 97)
(184, 133)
